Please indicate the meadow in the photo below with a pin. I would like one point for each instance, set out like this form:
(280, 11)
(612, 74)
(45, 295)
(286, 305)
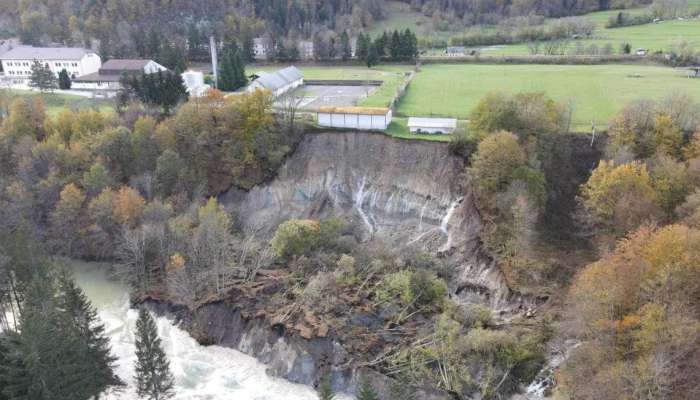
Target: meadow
(661, 36)
(55, 102)
(595, 92)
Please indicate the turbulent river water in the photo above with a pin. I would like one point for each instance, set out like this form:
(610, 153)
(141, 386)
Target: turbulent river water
(201, 373)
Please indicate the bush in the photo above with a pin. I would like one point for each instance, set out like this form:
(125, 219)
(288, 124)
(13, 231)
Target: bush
(415, 288)
(296, 237)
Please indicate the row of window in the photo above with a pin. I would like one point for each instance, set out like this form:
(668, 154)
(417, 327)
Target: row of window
(28, 73)
(27, 64)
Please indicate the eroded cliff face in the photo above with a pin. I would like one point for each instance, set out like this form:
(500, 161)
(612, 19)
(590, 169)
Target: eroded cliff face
(404, 193)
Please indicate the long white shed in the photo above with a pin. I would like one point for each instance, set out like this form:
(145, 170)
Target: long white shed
(367, 118)
(432, 125)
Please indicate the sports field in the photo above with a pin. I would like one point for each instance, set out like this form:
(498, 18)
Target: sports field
(391, 75)
(596, 92)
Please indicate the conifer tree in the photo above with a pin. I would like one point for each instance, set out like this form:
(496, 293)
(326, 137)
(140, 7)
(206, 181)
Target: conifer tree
(227, 81)
(241, 79)
(366, 392)
(372, 55)
(64, 82)
(325, 390)
(362, 47)
(154, 380)
(42, 78)
(93, 350)
(53, 355)
(345, 48)
(395, 50)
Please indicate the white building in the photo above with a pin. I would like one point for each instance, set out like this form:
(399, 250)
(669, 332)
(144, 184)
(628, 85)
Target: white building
(306, 49)
(455, 51)
(108, 76)
(17, 62)
(278, 83)
(366, 118)
(432, 125)
(261, 48)
(194, 82)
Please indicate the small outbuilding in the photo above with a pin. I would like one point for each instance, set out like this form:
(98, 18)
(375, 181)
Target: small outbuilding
(366, 118)
(432, 125)
(455, 51)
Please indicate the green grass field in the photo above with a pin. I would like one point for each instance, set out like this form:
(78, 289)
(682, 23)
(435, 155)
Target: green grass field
(55, 102)
(656, 36)
(391, 75)
(596, 92)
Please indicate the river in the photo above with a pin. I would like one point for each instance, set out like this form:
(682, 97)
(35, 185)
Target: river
(201, 372)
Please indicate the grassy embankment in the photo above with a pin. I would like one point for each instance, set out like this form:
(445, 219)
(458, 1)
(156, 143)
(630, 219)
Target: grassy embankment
(596, 92)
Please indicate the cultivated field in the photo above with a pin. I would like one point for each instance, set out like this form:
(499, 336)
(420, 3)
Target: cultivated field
(596, 92)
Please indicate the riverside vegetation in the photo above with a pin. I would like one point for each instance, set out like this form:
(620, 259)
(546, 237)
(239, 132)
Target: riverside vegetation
(142, 190)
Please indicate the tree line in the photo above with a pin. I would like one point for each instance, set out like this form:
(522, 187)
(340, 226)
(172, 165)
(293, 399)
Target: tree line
(397, 46)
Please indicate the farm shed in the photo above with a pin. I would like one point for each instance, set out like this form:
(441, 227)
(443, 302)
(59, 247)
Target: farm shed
(432, 125)
(355, 117)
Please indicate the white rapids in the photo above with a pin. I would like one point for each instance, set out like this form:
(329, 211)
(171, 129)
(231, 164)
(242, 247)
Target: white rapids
(201, 372)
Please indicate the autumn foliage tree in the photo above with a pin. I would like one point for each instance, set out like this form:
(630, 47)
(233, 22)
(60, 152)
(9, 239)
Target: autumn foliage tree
(638, 309)
(619, 198)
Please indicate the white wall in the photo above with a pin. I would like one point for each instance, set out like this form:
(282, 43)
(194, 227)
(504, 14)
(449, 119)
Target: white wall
(355, 121)
(95, 85)
(90, 63)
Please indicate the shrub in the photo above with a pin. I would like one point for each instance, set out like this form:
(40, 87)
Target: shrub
(296, 237)
(415, 288)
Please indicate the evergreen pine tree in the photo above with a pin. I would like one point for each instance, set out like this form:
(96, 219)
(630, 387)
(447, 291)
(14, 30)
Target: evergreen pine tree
(345, 48)
(366, 392)
(153, 43)
(412, 44)
(395, 50)
(372, 55)
(42, 78)
(325, 390)
(228, 76)
(64, 82)
(382, 42)
(47, 358)
(362, 47)
(93, 350)
(154, 380)
(241, 79)
(169, 57)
